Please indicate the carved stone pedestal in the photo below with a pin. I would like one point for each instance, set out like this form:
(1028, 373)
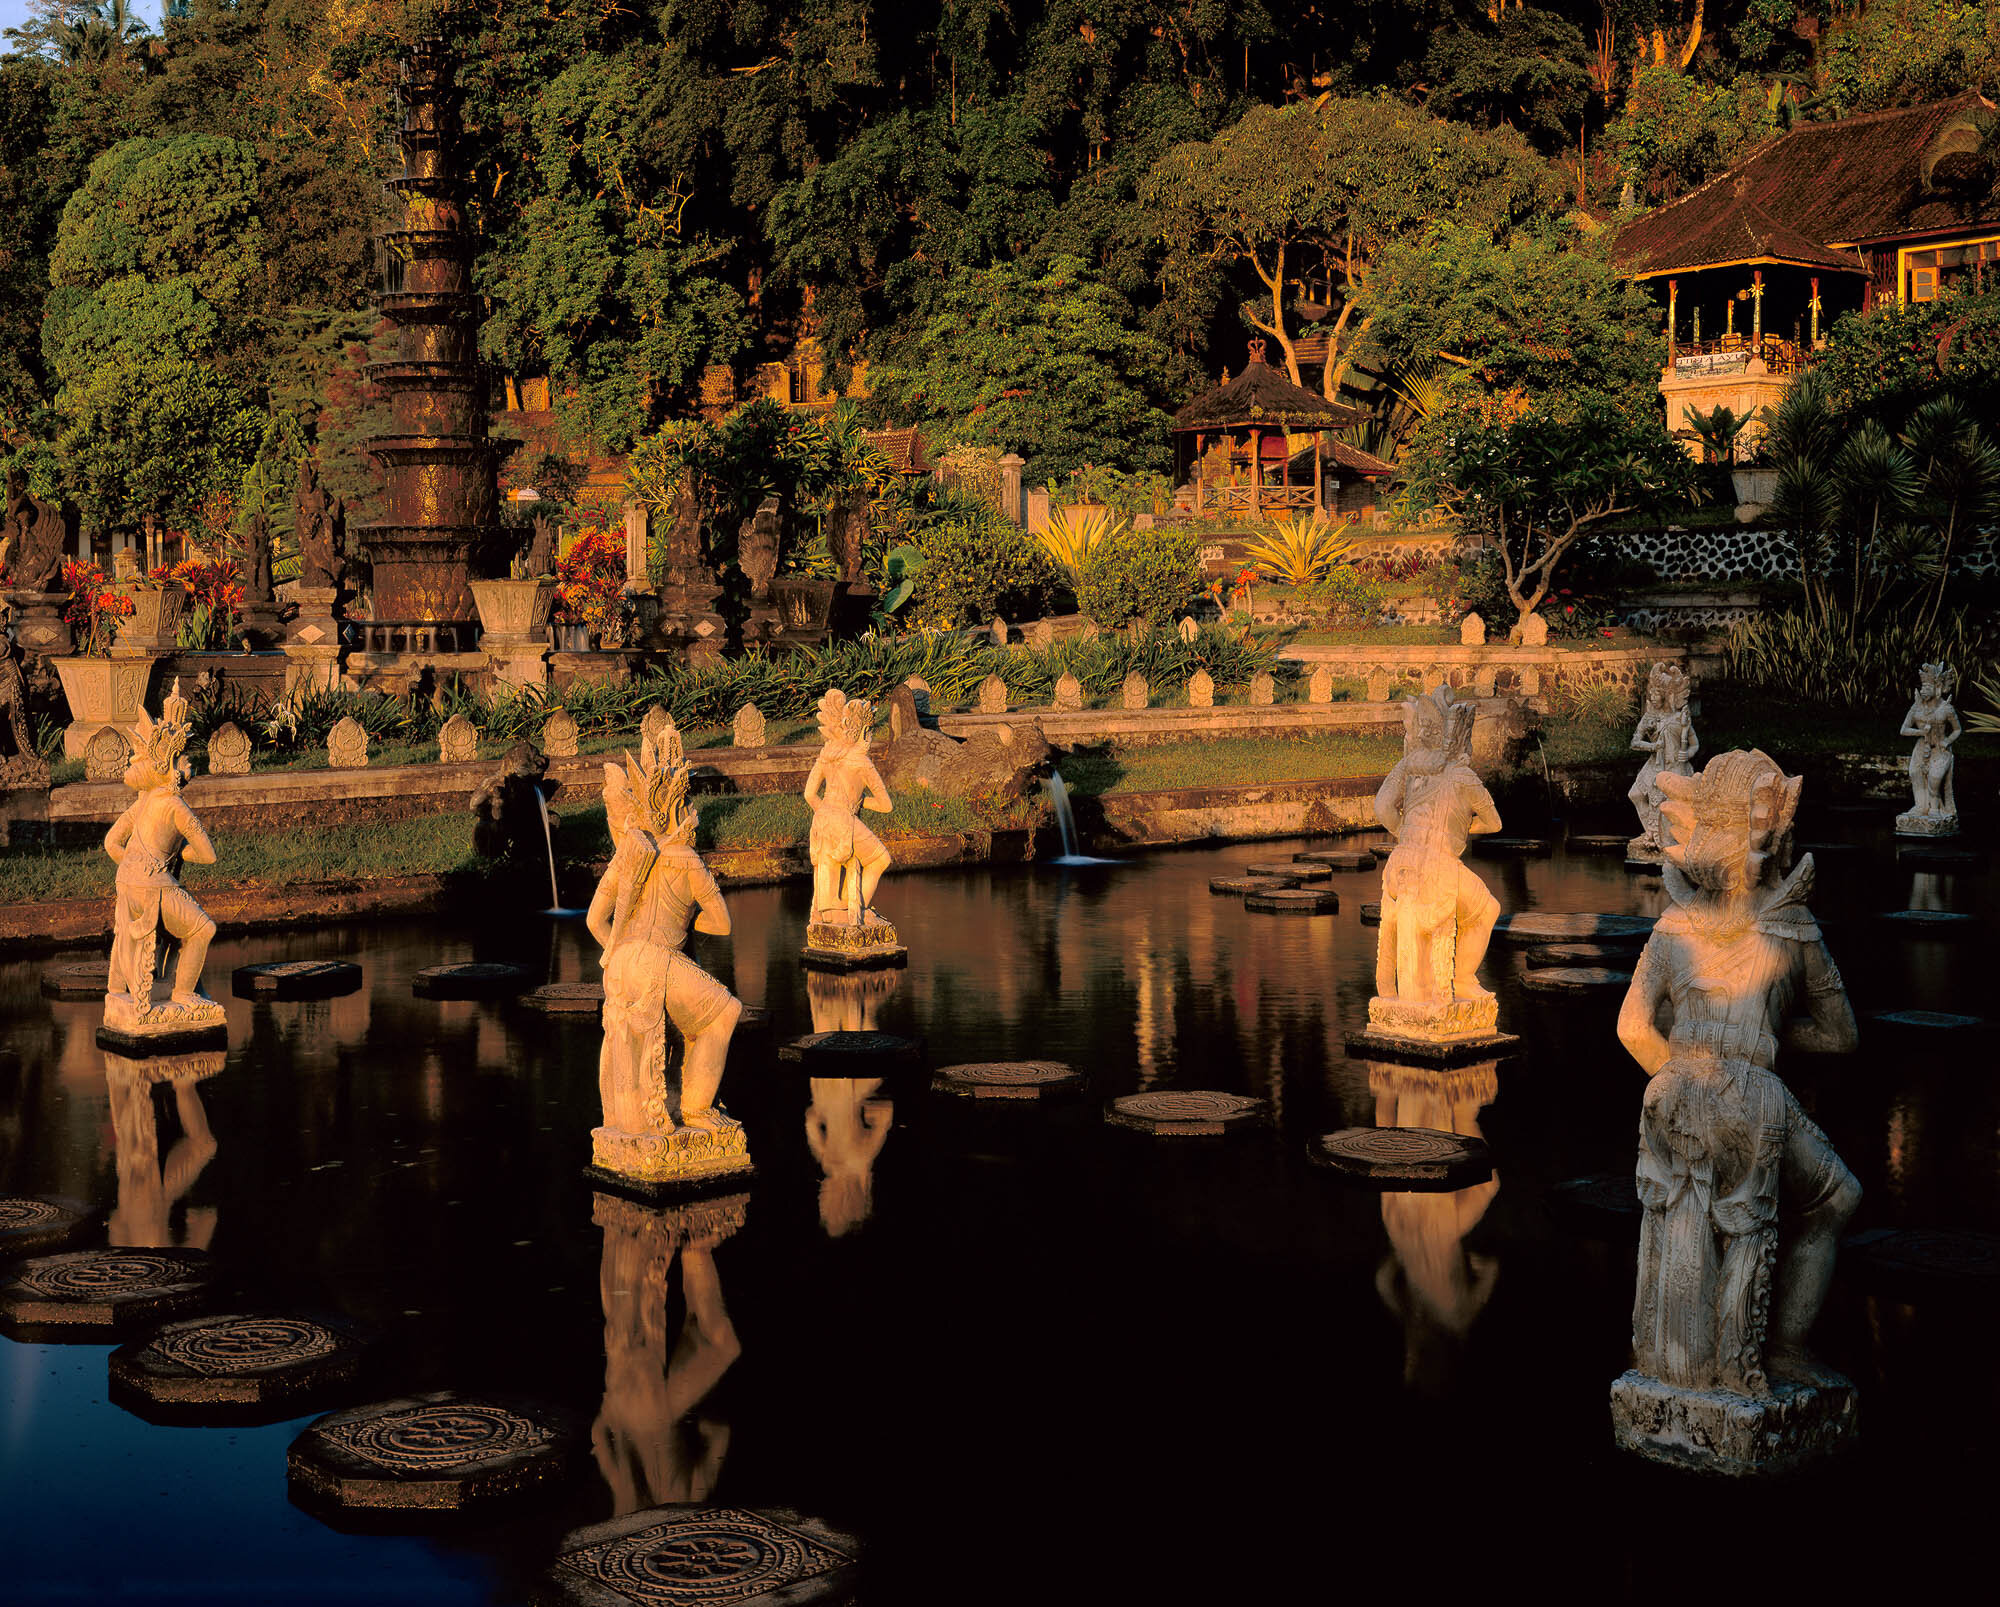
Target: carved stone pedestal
(518, 660)
(39, 625)
(1913, 824)
(663, 1165)
(312, 644)
(835, 946)
(161, 1029)
(1642, 850)
(1441, 1032)
(1717, 1431)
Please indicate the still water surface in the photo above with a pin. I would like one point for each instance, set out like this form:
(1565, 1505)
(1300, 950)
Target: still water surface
(1028, 1357)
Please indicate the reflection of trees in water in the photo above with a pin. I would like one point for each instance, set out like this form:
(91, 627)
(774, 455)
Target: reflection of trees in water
(148, 1187)
(650, 1444)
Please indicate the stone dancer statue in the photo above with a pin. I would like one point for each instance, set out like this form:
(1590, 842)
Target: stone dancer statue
(654, 886)
(149, 843)
(1934, 723)
(1726, 1297)
(847, 858)
(1436, 914)
(1665, 735)
(319, 521)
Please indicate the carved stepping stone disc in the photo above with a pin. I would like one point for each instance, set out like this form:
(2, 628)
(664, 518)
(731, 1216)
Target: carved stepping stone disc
(238, 1361)
(1931, 923)
(852, 1054)
(1186, 1113)
(1525, 847)
(77, 979)
(1925, 1021)
(1371, 914)
(1577, 980)
(1294, 901)
(1338, 858)
(296, 979)
(567, 998)
(1298, 870)
(1595, 843)
(36, 1224)
(1562, 926)
(1940, 856)
(1007, 1079)
(1406, 1159)
(1614, 954)
(91, 1295)
(437, 1453)
(1925, 1259)
(1250, 884)
(473, 979)
(695, 1556)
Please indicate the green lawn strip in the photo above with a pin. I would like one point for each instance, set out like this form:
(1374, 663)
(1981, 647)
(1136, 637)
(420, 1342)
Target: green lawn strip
(1226, 762)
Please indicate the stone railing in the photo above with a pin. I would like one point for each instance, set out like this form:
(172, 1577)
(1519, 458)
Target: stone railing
(1486, 671)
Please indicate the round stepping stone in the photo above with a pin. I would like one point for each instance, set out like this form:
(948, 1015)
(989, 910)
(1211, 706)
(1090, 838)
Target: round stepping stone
(296, 979)
(1925, 1259)
(37, 1224)
(852, 1054)
(1250, 884)
(1925, 1021)
(1294, 901)
(1595, 843)
(1371, 914)
(1559, 954)
(97, 1294)
(1525, 847)
(1940, 856)
(707, 1557)
(1562, 926)
(1931, 923)
(567, 998)
(1298, 870)
(77, 980)
(1577, 980)
(435, 1453)
(236, 1362)
(1186, 1113)
(1404, 1159)
(1007, 1079)
(1339, 858)
(475, 979)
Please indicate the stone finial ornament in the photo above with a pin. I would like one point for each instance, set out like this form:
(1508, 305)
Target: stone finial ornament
(656, 723)
(1743, 1198)
(1665, 735)
(1934, 723)
(458, 741)
(1135, 693)
(1201, 690)
(1533, 630)
(653, 888)
(847, 858)
(1068, 695)
(1263, 689)
(1319, 687)
(228, 751)
(105, 755)
(559, 735)
(999, 631)
(992, 695)
(1437, 915)
(1188, 629)
(1472, 631)
(747, 730)
(155, 920)
(1041, 634)
(347, 745)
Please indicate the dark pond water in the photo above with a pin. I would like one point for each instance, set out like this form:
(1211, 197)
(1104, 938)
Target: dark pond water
(1029, 1357)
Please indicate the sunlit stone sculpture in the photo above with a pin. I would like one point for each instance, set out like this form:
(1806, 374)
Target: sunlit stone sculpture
(653, 1133)
(1436, 914)
(847, 858)
(1934, 723)
(155, 921)
(1665, 735)
(1743, 1198)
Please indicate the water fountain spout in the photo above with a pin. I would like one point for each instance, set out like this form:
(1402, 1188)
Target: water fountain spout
(1066, 824)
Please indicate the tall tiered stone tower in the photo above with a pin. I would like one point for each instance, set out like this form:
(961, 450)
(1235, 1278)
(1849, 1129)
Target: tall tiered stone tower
(442, 492)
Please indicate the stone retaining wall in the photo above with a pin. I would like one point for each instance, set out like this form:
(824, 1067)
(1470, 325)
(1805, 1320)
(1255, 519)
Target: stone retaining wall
(1488, 671)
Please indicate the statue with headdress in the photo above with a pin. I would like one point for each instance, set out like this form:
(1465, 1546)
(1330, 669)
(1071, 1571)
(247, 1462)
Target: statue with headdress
(1742, 1197)
(32, 536)
(156, 924)
(319, 522)
(1934, 723)
(1665, 735)
(1437, 915)
(847, 858)
(653, 889)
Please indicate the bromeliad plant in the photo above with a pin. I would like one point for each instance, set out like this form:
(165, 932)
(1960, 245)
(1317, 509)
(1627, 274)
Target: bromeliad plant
(1300, 548)
(1072, 533)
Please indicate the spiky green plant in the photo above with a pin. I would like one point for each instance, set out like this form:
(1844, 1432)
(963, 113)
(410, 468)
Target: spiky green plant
(1070, 535)
(1298, 549)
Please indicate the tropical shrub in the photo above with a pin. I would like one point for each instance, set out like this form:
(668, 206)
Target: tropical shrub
(975, 565)
(1072, 534)
(1346, 594)
(214, 595)
(1141, 574)
(590, 584)
(93, 609)
(1824, 659)
(1299, 549)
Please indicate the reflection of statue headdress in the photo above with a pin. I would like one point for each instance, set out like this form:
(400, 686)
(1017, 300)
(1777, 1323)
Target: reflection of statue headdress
(164, 740)
(1438, 722)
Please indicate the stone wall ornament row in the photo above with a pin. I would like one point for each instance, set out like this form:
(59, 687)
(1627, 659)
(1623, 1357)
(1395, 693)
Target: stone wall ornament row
(1068, 695)
(458, 741)
(1263, 689)
(1201, 690)
(347, 745)
(992, 695)
(1319, 686)
(228, 750)
(748, 729)
(1135, 693)
(559, 735)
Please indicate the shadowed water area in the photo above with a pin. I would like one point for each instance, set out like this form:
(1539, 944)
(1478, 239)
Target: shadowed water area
(1024, 1355)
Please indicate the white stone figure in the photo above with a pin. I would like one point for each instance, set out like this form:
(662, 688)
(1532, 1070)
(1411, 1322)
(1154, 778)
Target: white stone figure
(1665, 735)
(653, 888)
(847, 858)
(1743, 1198)
(149, 843)
(1934, 723)
(1437, 915)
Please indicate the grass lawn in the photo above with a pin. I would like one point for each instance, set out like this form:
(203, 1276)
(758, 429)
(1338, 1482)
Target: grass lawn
(1098, 772)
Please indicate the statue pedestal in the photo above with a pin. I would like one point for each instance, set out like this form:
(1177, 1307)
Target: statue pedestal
(1717, 1431)
(260, 626)
(1642, 850)
(662, 1165)
(161, 1029)
(39, 625)
(312, 644)
(836, 946)
(1440, 1032)
(1916, 825)
(518, 660)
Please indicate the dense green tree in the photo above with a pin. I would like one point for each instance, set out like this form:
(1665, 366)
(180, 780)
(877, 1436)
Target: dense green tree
(1527, 70)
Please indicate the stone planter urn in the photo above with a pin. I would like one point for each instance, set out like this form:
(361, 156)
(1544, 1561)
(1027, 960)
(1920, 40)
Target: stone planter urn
(572, 638)
(1754, 487)
(514, 609)
(102, 692)
(155, 619)
(804, 608)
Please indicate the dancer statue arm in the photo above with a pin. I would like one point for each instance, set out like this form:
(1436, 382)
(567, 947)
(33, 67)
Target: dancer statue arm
(1389, 799)
(603, 904)
(1636, 1029)
(1828, 1027)
(1485, 812)
(1912, 727)
(815, 781)
(875, 791)
(119, 837)
(197, 850)
(1948, 720)
(712, 916)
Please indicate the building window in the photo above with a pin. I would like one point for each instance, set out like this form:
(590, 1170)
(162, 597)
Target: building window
(1932, 270)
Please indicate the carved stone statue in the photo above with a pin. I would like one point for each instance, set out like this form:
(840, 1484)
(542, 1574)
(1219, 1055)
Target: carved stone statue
(507, 808)
(253, 561)
(847, 858)
(654, 886)
(320, 523)
(31, 537)
(1743, 1198)
(20, 764)
(1436, 914)
(540, 558)
(149, 843)
(1934, 723)
(1665, 735)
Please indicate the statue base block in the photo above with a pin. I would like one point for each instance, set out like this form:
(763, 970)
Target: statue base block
(1642, 851)
(1372, 1045)
(162, 1029)
(1915, 825)
(660, 1165)
(1718, 1431)
(836, 946)
(1433, 1032)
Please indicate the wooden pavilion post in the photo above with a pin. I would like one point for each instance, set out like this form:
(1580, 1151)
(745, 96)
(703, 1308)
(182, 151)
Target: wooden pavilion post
(1757, 311)
(1285, 472)
(1814, 305)
(1319, 471)
(1673, 316)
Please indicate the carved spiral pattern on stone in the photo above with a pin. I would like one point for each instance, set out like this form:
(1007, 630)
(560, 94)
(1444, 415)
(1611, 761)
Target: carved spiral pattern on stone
(96, 1273)
(1396, 1146)
(246, 1345)
(16, 1214)
(1193, 1105)
(1009, 1071)
(438, 1436)
(710, 1559)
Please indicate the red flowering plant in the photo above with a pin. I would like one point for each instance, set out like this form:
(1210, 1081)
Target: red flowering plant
(214, 596)
(590, 585)
(93, 609)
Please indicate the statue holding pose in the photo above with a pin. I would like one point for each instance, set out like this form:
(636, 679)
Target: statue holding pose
(149, 843)
(1666, 737)
(1436, 914)
(1743, 1198)
(847, 858)
(319, 521)
(653, 888)
(1934, 723)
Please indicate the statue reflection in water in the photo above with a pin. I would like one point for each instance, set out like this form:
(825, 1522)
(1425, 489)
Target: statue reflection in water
(149, 1188)
(846, 1124)
(1430, 1280)
(651, 1442)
